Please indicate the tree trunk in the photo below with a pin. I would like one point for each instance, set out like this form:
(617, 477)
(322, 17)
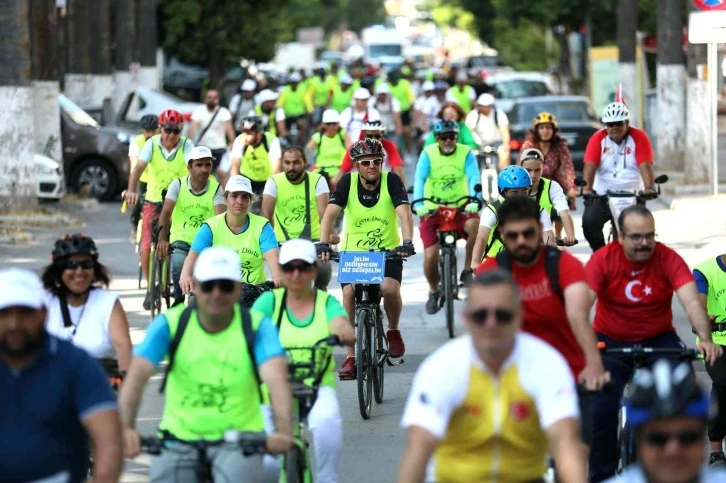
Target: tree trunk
(100, 52)
(216, 68)
(698, 115)
(627, 21)
(149, 73)
(78, 85)
(670, 79)
(124, 35)
(17, 166)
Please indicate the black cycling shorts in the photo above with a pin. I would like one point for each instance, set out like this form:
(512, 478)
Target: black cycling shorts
(406, 117)
(394, 270)
(584, 400)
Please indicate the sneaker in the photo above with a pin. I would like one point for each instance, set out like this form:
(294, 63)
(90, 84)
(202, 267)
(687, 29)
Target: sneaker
(466, 277)
(347, 370)
(147, 301)
(432, 306)
(396, 347)
(717, 460)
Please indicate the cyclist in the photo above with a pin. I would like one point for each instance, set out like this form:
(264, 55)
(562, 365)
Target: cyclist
(150, 127)
(490, 126)
(318, 89)
(303, 316)
(273, 118)
(342, 95)
(618, 157)
(512, 181)
(56, 399)
(303, 198)
(166, 155)
(711, 282)
(296, 104)
(451, 111)
(242, 103)
(548, 193)
(402, 90)
(329, 144)
(372, 201)
(213, 123)
(462, 93)
(669, 419)
(353, 118)
(446, 171)
(80, 307)
(190, 201)
(634, 280)
(389, 108)
(213, 385)
(489, 405)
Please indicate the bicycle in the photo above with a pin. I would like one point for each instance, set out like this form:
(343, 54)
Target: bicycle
(448, 236)
(249, 443)
(160, 277)
(640, 356)
(488, 159)
(371, 346)
(137, 241)
(306, 370)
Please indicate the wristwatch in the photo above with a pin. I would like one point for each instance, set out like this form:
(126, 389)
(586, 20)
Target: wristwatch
(407, 242)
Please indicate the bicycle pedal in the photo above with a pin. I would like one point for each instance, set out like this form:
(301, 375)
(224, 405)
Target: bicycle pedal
(347, 378)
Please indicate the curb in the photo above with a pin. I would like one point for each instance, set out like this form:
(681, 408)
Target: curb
(37, 220)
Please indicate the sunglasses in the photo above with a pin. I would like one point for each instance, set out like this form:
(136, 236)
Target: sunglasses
(331, 124)
(84, 264)
(614, 124)
(301, 267)
(172, 131)
(528, 234)
(448, 137)
(684, 438)
(368, 162)
(502, 316)
(374, 136)
(225, 286)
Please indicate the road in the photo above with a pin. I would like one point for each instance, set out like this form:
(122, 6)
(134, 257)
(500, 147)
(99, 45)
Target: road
(372, 448)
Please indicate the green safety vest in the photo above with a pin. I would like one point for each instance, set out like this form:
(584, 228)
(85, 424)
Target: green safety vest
(402, 92)
(212, 387)
(544, 202)
(271, 124)
(140, 140)
(341, 99)
(162, 171)
(256, 160)
(331, 151)
(375, 227)
(191, 211)
(494, 243)
(447, 179)
(462, 97)
(293, 102)
(715, 307)
(291, 208)
(321, 90)
(246, 244)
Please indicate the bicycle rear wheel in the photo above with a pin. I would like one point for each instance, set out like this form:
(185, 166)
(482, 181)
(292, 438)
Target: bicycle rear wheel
(448, 276)
(155, 283)
(294, 465)
(364, 348)
(166, 285)
(379, 363)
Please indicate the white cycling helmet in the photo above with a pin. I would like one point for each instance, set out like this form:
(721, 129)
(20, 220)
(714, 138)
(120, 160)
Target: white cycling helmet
(615, 112)
(373, 125)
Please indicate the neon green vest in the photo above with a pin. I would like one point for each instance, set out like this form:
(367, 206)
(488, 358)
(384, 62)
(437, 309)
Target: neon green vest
(290, 207)
(402, 92)
(191, 210)
(212, 387)
(716, 290)
(246, 244)
(293, 101)
(375, 227)
(462, 97)
(544, 201)
(341, 99)
(331, 151)
(321, 89)
(494, 243)
(447, 179)
(256, 160)
(161, 171)
(140, 140)
(271, 124)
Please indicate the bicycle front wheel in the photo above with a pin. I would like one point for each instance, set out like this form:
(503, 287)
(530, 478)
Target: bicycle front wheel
(448, 276)
(294, 466)
(364, 348)
(380, 364)
(166, 285)
(154, 282)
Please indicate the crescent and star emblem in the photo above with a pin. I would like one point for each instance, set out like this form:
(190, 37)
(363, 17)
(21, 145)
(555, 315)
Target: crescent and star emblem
(629, 290)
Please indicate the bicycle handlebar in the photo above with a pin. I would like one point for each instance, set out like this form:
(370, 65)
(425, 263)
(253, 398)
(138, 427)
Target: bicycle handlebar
(249, 442)
(472, 199)
(561, 243)
(638, 350)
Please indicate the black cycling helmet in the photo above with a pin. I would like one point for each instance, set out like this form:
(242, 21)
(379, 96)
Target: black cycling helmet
(666, 392)
(253, 123)
(446, 126)
(74, 244)
(366, 147)
(149, 122)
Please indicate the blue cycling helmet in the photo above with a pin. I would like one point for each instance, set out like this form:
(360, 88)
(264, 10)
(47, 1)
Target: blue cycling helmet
(513, 177)
(446, 126)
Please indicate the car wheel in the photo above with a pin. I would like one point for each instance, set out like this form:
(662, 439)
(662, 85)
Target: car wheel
(97, 177)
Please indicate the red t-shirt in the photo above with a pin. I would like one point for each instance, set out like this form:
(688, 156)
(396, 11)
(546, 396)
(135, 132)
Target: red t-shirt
(634, 299)
(392, 156)
(544, 312)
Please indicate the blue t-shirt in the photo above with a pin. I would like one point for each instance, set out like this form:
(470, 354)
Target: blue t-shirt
(423, 169)
(42, 407)
(702, 281)
(204, 238)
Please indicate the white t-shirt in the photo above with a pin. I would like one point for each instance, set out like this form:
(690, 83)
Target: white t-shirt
(431, 107)
(386, 110)
(484, 128)
(488, 218)
(90, 321)
(215, 137)
(321, 188)
(352, 120)
(634, 474)
(557, 195)
(134, 151)
(172, 192)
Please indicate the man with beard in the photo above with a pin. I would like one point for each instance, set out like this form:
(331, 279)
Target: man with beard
(54, 396)
(554, 296)
(213, 123)
(634, 280)
(295, 216)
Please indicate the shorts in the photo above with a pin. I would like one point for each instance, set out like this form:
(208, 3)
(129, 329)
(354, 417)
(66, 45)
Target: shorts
(406, 117)
(394, 270)
(150, 215)
(218, 154)
(428, 226)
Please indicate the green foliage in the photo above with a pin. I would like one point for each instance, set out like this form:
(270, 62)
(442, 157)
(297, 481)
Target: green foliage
(525, 46)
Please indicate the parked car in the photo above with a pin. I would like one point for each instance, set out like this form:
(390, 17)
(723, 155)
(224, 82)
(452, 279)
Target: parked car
(575, 117)
(510, 86)
(94, 156)
(145, 101)
(50, 178)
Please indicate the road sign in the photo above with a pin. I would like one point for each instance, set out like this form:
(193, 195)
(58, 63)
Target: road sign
(707, 27)
(710, 4)
(362, 267)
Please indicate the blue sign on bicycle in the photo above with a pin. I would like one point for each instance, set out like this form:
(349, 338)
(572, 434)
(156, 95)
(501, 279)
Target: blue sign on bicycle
(362, 267)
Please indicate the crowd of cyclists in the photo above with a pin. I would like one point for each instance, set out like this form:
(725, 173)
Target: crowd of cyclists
(267, 193)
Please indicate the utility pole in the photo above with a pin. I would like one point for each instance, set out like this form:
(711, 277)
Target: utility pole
(627, 65)
(100, 51)
(124, 39)
(78, 86)
(17, 167)
(698, 145)
(671, 102)
(146, 44)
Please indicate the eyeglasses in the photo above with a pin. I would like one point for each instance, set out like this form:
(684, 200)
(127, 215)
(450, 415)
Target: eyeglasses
(225, 286)
(84, 264)
(614, 124)
(480, 316)
(331, 124)
(639, 237)
(172, 131)
(661, 438)
(301, 267)
(448, 137)
(368, 162)
(528, 234)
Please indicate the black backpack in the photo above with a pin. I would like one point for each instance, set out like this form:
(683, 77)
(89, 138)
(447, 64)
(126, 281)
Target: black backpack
(552, 266)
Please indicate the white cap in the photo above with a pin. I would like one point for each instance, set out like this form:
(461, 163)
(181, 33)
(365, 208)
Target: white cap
(239, 183)
(298, 249)
(361, 94)
(485, 100)
(330, 116)
(383, 88)
(200, 152)
(20, 288)
(267, 95)
(345, 79)
(217, 263)
(294, 77)
(462, 76)
(428, 86)
(249, 85)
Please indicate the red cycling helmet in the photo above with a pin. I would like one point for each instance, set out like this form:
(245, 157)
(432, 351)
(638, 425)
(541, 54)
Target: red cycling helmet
(367, 147)
(170, 117)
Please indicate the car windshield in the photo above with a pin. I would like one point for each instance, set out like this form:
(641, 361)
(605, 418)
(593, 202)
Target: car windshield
(383, 50)
(483, 61)
(520, 88)
(78, 115)
(575, 111)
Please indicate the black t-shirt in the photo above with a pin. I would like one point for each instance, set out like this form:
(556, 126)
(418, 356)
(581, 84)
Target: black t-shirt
(369, 198)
